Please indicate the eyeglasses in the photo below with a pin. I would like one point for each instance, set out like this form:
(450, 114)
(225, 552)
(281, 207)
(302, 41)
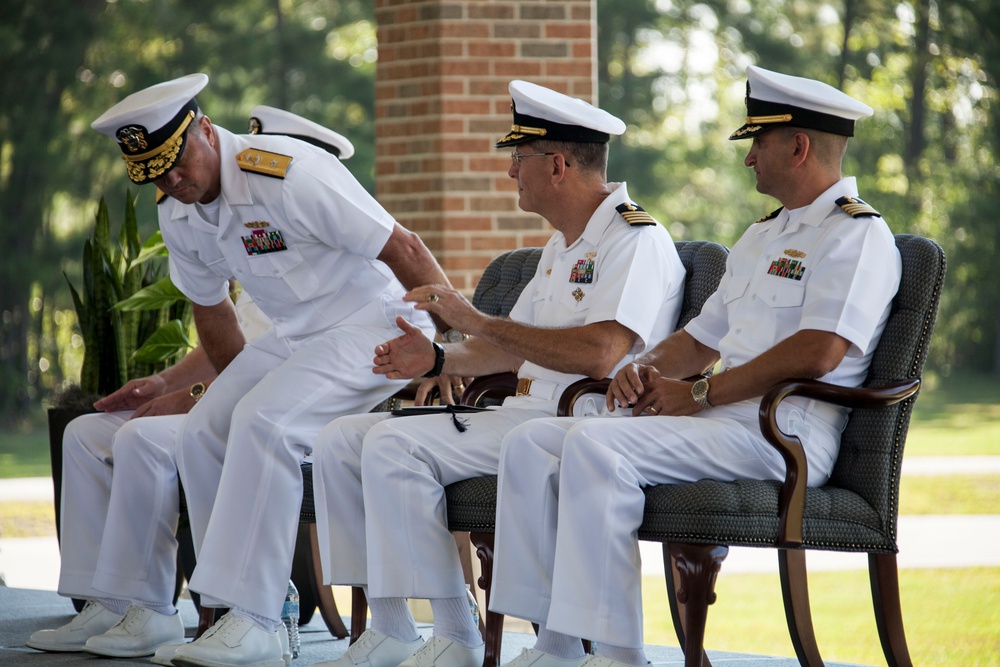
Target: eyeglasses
(516, 157)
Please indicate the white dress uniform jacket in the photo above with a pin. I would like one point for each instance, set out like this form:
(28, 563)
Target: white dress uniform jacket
(303, 241)
(813, 268)
(380, 481)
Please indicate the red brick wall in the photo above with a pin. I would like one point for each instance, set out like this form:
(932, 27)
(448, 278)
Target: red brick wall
(441, 101)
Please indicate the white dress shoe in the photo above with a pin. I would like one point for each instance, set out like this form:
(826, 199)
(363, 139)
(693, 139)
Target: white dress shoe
(139, 633)
(601, 661)
(441, 652)
(93, 619)
(235, 641)
(165, 654)
(531, 657)
(374, 649)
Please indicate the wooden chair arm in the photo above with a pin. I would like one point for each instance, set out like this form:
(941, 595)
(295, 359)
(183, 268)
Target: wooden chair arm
(578, 389)
(496, 386)
(791, 502)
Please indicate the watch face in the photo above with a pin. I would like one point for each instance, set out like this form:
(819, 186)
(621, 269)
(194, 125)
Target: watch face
(453, 336)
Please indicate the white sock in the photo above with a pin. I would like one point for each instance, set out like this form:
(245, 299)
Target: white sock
(113, 605)
(558, 645)
(392, 617)
(262, 622)
(628, 656)
(453, 620)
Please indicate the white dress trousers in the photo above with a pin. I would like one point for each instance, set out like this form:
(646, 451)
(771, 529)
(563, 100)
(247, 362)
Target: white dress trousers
(585, 475)
(240, 449)
(381, 485)
(118, 540)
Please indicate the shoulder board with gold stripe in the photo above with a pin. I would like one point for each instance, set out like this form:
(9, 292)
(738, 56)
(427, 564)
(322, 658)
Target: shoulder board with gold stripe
(770, 216)
(160, 196)
(635, 215)
(262, 162)
(857, 208)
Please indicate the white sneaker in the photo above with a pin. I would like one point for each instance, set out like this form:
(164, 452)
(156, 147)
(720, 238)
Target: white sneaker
(164, 655)
(441, 652)
(531, 657)
(139, 633)
(374, 649)
(234, 641)
(93, 619)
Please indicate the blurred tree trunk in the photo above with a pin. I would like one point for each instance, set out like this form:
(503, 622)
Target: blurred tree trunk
(915, 140)
(42, 49)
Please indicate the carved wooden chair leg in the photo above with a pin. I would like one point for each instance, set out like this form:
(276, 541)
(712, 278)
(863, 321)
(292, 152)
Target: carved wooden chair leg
(494, 622)
(697, 566)
(677, 610)
(207, 616)
(884, 577)
(795, 593)
(359, 612)
(324, 595)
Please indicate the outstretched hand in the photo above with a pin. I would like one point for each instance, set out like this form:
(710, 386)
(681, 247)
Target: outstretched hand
(447, 303)
(406, 356)
(132, 394)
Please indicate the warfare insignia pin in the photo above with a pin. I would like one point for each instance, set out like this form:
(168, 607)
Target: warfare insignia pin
(578, 294)
(791, 252)
(256, 224)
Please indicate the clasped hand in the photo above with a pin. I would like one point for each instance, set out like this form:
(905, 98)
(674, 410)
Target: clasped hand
(643, 389)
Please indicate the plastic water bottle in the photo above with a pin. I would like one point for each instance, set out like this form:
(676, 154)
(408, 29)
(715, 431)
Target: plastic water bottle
(290, 617)
(473, 605)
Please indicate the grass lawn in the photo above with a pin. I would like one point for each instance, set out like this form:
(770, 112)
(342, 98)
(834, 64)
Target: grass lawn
(952, 617)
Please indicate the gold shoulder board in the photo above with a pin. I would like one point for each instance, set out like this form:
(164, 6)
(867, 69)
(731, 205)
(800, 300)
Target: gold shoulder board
(770, 216)
(160, 196)
(857, 208)
(635, 215)
(262, 162)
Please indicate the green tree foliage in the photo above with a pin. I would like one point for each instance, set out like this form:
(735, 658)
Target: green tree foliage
(63, 62)
(674, 70)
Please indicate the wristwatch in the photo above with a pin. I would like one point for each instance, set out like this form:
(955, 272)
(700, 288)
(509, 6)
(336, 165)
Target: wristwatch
(453, 336)
(197, 391)
(699, 392)
(438, 361)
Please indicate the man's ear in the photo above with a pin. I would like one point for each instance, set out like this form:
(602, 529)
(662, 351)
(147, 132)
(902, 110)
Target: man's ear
(801, 147)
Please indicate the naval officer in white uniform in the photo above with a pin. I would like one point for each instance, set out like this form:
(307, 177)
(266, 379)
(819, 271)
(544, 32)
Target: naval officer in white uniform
(120, 491)
(328, 266)
(608, 286)
(806, 294)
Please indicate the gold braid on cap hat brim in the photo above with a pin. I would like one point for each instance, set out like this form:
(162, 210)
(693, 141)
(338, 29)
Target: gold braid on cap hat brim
(155, 163)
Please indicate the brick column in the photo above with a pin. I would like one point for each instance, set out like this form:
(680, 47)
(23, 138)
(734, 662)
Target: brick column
(441, 101)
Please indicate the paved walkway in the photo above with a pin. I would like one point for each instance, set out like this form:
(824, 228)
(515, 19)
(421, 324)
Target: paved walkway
(924, 541)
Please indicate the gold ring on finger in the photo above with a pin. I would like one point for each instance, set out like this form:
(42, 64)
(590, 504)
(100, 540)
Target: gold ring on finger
(433, 298)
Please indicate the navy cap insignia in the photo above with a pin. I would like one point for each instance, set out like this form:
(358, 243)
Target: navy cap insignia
(133, 137)
(635, 215)
(770, 216)
(263, 162)
(857, 208)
